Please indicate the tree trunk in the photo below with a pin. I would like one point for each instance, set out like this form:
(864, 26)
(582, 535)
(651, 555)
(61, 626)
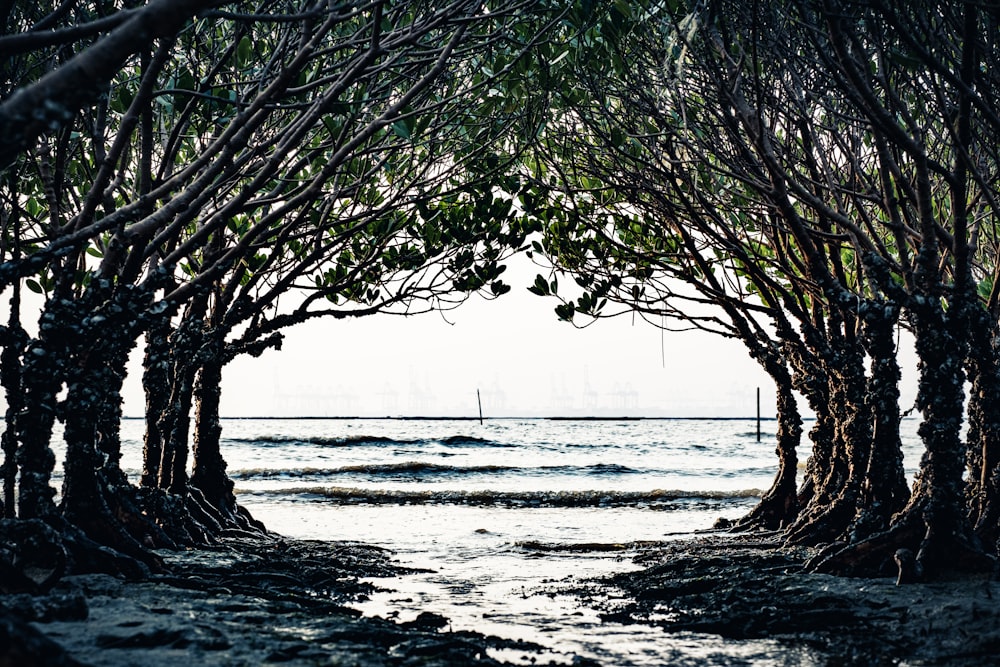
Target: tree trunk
(938, 492)
(884, 490)
(10, 380)
(983, 450)
(209, 466)
(810, 380)
(175, 422)
(779, 506)
(44, 368)
(211, 499)
(84, 501)
(93, 481)
(934, 524)
(156, 385)
(836, 501)
(109, 419)
(175, 425)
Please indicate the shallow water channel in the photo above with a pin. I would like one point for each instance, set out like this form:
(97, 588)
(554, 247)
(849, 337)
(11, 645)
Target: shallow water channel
(480, 575)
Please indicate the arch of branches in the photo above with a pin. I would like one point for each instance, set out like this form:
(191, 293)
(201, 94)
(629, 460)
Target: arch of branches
(805, 177)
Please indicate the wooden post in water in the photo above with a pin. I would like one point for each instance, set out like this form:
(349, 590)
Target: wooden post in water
(480, 401)
(758, 414)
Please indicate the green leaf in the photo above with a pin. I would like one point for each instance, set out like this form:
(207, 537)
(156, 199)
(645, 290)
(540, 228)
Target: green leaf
(565, 312)
(985, 288)
(498, 288)
(401, 128)
(243, 51)
(33, 285)
(121, 99)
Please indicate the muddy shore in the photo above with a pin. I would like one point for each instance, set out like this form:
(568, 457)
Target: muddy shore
(288, 602)
(256, 602)
(744, 588)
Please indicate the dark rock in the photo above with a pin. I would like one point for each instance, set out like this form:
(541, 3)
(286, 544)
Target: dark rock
(21, 645)
(909, 569)
(427, 620)
(154, 638)
(679, 588)
(287, 653)
(32, 556)
(69, 606)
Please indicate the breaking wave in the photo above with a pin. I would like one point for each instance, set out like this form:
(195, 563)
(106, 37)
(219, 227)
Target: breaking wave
(658, 498)
(424, 469)
(367, 441)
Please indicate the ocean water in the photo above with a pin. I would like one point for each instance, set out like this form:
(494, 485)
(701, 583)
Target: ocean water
(499, 515)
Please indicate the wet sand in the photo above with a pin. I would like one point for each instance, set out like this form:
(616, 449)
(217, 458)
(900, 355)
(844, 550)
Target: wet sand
(247, 603)
(287, 602)
(742, 588)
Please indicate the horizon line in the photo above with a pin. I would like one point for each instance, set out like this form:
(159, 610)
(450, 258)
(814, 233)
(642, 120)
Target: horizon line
(485, 418)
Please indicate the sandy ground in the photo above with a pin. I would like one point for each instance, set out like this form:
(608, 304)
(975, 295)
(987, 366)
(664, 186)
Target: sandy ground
(280, 602)
(742, 588)
(284, 602)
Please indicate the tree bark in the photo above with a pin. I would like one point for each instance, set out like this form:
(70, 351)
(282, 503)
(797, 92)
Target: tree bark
(779, 506)
(836, 502)
(209, 474)
(938, 492)
(934, 523)
(156, 385)
(10, 380)
(109, 417)
(44, 369)
(982, 490)
(175, 421)
(94, 484)
(810, 380)
(86, 487)
(175, 425)
(884, 490)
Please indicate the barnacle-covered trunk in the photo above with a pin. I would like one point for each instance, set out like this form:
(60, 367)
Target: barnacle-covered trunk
(96, 492)
(883, 490)
(175, 426)
(88, 492)
(934, 524)
(983, 441)
(779, 506)
(209, 479)
(156, 386)
(835, 503)
(43, 371)
(174, 423)
(14, 342)
(209, 470)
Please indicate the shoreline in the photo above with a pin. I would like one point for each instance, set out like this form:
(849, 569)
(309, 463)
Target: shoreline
(744, 588)
(247, 602)
(286, 601)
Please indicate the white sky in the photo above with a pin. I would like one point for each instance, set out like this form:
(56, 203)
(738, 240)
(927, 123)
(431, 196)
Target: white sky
(513, 350)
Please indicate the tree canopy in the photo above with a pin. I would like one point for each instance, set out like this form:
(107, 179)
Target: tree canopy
(804, 177)
(819, 173)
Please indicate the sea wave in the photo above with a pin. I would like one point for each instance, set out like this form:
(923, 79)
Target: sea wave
(469, 440)
(415, 468)
(426, 469)
(594, 498)
(367, 441)
(334, 441)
